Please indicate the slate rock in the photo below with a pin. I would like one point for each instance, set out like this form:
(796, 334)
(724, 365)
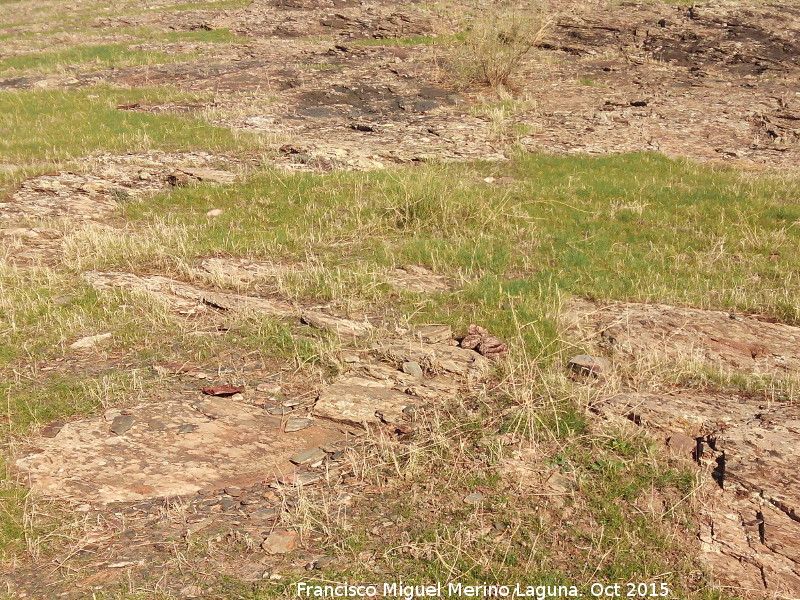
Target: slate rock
(297, 423)
(308, 456)
(280, 542)
(474, 498)
(90, 341)
(434, 334)
(681, 444)
(121, 424)
(584, 364)
(412, 368)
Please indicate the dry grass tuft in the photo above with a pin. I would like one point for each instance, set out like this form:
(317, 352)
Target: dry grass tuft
(496, 45)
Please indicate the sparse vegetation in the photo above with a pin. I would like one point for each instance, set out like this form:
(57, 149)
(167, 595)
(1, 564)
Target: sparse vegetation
(58, 125)
(514, 478)
(495, 44)
(82, 57)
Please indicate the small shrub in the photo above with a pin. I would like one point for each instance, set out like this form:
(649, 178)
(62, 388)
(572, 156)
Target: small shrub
(495, 46)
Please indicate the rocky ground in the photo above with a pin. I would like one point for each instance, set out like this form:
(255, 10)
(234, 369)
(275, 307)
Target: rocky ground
(229, 454)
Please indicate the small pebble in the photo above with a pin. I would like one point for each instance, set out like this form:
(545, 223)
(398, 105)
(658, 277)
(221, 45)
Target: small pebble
(412, 368)
(296, 424)
(308, 456)
(268, 388)
(474, 498)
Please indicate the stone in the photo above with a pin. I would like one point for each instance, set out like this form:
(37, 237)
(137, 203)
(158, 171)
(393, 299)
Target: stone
(121, 424)
(320, 563)
(308, 456)
(357, 400)
(90, 341)
(680, 444)
(233, 491)
(433, 357)
(718, 339)
(749, 449)
(187, 298)
(474, 498)
(560, 484)
(214, 212)
(434, 334)
(187, 175)
(344, 327)
(481, 341)
(51, 430)
(268, 388)
(280, 542)
(264, 514)
(419, 279)
(583, 364)
(412, 368)
(228, 503)
(223, 390)
(297, 424)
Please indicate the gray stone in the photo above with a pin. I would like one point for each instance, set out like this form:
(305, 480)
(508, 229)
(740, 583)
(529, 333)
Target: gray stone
(264, 514)
(228, 503)
(412, 368)
(121, 424)
(297, 423)
(584, 364)
(434, 334)
(474, 498)
(90, 341)
(308, 456)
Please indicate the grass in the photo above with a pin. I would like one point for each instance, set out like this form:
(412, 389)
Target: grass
(520, 237)
(59, 125)
(495, 44)
(413, 40)
(100, 56)
(635, 227)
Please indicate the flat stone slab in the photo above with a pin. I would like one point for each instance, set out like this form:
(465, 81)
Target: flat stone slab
(419, 279)
(83, 197)
(358, 400)
(169, 448)
(732, 342)
(377, 392)
(434, 358)
(240, 271)
(185, 296)
(750, 527)
(344, 327)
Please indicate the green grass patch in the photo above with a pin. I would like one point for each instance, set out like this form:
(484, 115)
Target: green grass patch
(634, 228)
(59, 125)
(100, 56)
(208, 36)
